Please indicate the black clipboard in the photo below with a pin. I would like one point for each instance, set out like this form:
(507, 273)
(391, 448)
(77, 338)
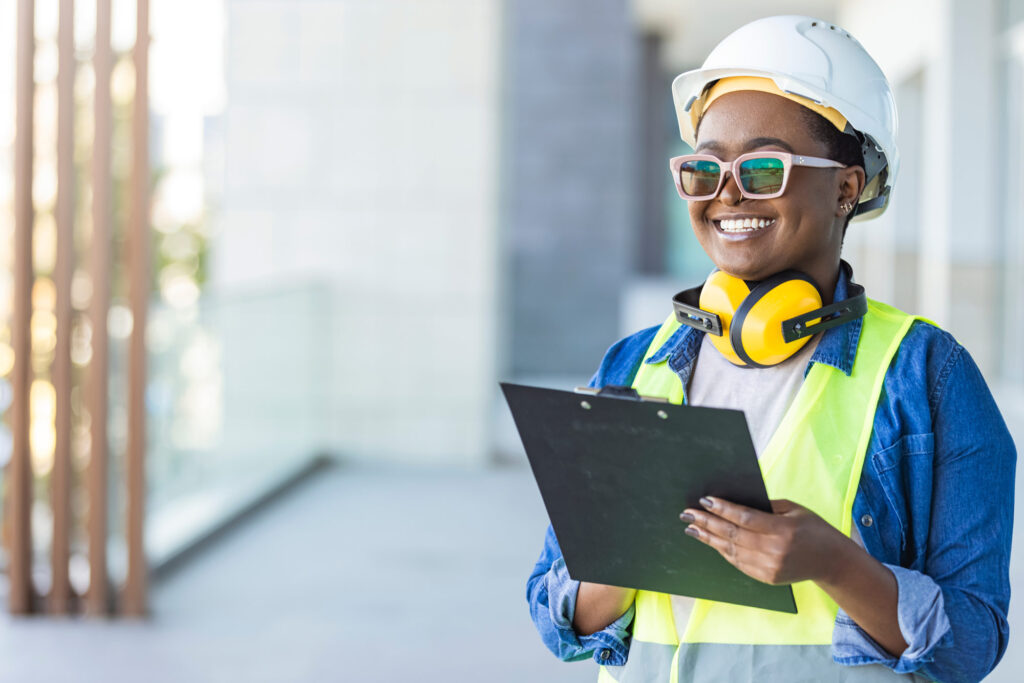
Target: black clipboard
(615, 472)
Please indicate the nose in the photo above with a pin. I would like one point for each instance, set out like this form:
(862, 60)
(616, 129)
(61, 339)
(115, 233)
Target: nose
(730, 194)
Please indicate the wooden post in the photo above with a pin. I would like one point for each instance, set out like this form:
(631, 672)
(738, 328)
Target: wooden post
(60, 482)
(20, 468)
(134, 596)
(97, 598)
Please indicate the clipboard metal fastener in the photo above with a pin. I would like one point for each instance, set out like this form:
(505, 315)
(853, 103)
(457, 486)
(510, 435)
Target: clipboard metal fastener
(616, 391)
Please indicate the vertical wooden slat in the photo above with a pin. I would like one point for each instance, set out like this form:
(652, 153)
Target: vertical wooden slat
(134, 596)
(60, 497)
(20, 468)
(97, 598)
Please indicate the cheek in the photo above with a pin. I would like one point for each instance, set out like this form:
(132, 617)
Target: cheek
(697, 210)
(814, 198)
(808, 207)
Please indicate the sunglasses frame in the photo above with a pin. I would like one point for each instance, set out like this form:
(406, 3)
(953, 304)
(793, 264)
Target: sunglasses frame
(732, 167)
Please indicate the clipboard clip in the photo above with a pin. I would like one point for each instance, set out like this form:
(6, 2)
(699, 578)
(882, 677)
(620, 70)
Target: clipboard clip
(618, 391)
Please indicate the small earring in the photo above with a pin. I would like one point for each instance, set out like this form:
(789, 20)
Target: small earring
(846, 207)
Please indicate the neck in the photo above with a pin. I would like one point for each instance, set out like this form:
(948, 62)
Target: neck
(826, 278)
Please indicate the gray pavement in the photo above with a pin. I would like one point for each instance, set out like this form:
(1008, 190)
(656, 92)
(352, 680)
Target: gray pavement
(357, 575)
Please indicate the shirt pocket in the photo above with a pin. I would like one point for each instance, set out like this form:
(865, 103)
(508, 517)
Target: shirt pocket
(904, 472)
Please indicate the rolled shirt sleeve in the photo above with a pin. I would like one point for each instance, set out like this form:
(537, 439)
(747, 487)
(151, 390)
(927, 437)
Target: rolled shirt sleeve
(922, 618)
(551, 594)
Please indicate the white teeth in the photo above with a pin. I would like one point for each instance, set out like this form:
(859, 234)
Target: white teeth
(745, 224)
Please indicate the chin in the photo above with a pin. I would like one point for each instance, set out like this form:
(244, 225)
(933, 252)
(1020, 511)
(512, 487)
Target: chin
(745, 271)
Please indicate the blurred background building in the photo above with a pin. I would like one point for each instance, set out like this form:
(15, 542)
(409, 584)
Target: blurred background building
(367, 212)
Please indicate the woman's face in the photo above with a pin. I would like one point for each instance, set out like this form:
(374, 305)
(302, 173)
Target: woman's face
(807, 232)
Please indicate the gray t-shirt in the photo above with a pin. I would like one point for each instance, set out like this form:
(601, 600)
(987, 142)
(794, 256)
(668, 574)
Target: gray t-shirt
(763, 394)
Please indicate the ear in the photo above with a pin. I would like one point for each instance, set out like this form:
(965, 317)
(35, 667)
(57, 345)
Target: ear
(850, 184)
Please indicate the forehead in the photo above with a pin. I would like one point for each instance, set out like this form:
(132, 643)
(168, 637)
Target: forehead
(738, 118)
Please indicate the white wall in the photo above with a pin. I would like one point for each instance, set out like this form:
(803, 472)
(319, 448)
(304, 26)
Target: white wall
(945, 54)
(360, 151)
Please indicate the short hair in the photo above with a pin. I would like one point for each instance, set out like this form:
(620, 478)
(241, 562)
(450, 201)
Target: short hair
(842, 147)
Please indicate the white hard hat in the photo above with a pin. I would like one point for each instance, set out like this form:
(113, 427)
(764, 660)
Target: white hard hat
(811, 59)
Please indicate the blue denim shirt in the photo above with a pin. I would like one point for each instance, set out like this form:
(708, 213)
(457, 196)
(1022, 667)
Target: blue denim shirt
(934, 505)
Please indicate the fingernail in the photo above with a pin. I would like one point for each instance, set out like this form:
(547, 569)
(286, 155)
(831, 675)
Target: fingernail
(687, 517)
(692, 531)
(706, 502)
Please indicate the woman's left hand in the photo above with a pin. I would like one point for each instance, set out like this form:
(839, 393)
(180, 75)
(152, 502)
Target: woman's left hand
(789, 545)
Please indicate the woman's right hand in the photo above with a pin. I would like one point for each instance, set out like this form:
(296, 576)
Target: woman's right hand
(598, 605)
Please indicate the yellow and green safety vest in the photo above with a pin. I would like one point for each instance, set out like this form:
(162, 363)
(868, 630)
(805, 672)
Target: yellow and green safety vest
(814, 458)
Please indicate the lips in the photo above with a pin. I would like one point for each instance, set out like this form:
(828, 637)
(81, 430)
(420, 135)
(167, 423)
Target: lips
(743, 224)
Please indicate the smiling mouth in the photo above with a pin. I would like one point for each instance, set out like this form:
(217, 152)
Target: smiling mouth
(738, 225)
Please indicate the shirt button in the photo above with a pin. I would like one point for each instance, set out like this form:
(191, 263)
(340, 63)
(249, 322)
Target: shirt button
(606, 654)
(866, 520)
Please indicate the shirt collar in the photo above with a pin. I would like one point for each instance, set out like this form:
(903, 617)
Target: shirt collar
(837, 348)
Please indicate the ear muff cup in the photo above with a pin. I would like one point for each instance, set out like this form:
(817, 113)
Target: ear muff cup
(723, 294)
(755, 334)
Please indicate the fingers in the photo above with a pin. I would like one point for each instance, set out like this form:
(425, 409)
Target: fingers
(750, 561)
(747, 538)
(780, 547)
(740, 515)
(731, 534)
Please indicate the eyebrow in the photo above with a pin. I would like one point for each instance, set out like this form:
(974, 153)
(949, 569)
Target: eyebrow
(751, 144)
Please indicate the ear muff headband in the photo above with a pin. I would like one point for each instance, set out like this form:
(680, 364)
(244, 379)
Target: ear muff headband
(764, 326)
(827, 317)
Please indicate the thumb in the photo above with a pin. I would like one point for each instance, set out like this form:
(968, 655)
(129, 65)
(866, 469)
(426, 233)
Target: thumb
(782, 506)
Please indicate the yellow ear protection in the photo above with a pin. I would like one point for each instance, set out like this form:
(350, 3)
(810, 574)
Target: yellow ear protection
(760, 324)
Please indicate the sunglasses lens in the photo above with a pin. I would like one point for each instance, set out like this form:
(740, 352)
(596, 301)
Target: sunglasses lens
(699, 178)
(762, 176)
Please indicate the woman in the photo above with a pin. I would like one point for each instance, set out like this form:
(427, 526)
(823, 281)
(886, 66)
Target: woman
(890, 467)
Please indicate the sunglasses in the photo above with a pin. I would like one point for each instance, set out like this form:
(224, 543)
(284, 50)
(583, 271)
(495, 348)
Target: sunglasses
(759, 175)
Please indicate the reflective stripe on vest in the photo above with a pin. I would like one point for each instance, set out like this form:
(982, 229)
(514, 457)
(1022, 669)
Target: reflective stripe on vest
(814, 458)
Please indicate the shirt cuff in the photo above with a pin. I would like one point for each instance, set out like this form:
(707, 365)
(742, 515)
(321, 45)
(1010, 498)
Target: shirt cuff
(922, 619)
(610, 645)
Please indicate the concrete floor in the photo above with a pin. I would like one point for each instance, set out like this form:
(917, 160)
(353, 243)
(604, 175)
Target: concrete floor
(354, 576)
(357, 575)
